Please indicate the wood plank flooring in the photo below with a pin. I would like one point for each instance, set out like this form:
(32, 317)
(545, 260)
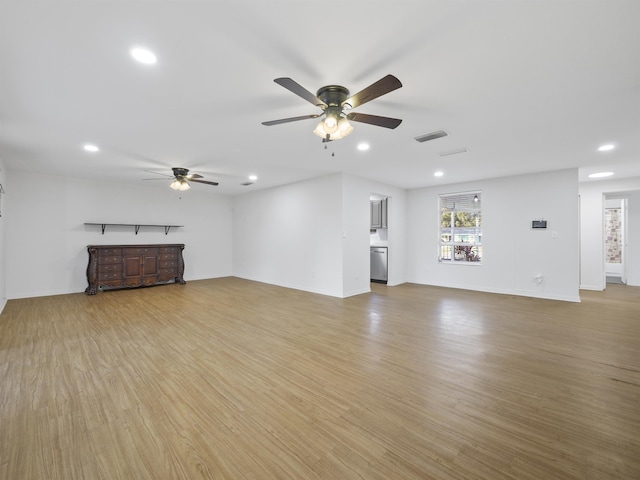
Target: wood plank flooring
(232, 379)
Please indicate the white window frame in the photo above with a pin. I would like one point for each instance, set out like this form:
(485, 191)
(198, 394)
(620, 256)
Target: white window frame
(463, 244)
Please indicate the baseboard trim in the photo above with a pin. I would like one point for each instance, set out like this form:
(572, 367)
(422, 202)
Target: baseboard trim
(520, 293)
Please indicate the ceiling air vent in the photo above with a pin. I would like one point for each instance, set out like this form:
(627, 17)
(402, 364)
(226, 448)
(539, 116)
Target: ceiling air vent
(245, 184)
(431, 136)
(454, 152)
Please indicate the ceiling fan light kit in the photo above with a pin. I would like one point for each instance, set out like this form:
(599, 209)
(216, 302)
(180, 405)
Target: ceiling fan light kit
(334, 100)
(181, 178)
(334, 126)
(180, 185)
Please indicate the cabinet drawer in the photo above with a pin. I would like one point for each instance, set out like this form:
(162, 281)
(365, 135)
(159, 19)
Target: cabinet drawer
(167, 256)
(110, 283)
(139, 250)
(107, 277)
(103, 252)
(106, 260)
(170, 272)
(168, 250)
(110, 267)
(168, 264)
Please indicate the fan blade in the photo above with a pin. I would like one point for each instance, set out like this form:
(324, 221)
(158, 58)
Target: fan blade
(299, 90)
(156, 173)
(386, 122)
(381, 87)
(193, 175)
(204, 181)
(163, 179)
(291, 119)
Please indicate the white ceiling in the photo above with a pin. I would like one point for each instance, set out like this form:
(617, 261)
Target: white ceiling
(526, 86)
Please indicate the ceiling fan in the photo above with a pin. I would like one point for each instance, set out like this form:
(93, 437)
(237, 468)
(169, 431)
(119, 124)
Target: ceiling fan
(335, 102)
(182, 177)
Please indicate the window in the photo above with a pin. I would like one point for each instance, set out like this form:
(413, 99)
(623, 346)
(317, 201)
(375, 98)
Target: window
(461, 228)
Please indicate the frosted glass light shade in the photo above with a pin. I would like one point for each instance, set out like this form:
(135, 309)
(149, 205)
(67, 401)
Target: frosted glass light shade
(180, 185)
(340, 130)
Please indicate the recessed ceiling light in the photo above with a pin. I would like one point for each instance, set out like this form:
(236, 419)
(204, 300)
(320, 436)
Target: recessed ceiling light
(143, 55)
(90, 148)
(606, 148)
(600, 174)
(253, 177)
(363, 147)
(438, 174)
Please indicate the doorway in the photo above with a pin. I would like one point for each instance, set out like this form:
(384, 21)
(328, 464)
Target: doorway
(379, 238)
(615, 232)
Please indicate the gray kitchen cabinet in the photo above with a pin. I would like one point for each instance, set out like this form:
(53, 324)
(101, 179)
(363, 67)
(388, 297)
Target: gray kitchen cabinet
(383, 213)
(379, 213)
(376, 214)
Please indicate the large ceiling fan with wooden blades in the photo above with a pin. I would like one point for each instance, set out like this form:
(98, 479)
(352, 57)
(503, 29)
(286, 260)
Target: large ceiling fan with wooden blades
(181, 178)
(336, 103)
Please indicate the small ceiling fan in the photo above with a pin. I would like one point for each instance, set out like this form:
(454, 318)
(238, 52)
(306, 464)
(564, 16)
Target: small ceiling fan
(181, 178)
(335, 102)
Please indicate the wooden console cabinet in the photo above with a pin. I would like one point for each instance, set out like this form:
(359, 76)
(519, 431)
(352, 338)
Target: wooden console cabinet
(131, 266)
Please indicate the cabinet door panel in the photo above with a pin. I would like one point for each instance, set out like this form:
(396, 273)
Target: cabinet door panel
(376, 218)
(150, 265)
(132, 266)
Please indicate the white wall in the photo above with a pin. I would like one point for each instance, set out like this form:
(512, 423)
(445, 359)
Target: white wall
(633, 239)
(312, 235)
(592, 194)
(3, 263)
(513, 253)
(292, 236)
(356, 218)
(46, 238)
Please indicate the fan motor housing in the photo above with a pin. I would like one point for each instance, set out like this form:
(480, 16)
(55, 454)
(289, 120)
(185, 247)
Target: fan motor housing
(333, 95)
(180, 172)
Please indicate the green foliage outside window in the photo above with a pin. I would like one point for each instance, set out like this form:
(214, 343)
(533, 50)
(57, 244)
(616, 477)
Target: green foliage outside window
(461, 239)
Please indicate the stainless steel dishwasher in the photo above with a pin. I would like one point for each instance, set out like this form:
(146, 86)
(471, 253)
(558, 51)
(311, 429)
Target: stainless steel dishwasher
(379, 264)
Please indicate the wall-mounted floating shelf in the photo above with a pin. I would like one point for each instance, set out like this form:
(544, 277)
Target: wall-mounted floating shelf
(135, 225)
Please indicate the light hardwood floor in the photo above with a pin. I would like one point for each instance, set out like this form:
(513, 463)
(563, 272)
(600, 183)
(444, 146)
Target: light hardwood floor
(232, 379)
